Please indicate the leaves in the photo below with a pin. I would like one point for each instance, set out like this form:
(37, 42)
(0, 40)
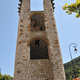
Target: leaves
(5, 77)
(69, 70)
(73, 8)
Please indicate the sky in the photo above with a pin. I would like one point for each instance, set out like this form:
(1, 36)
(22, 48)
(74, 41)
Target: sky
(68, 28)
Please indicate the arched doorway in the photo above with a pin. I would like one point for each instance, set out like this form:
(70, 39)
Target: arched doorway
(37, 23)
(38, 49)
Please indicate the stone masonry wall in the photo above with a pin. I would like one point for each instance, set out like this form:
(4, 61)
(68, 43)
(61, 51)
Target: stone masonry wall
(45, 69)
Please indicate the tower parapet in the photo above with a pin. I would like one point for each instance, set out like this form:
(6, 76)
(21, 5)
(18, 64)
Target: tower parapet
(19, 5)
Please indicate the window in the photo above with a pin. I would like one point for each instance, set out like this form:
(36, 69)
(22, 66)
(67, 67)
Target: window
(37, 23)
(38, 49)
(37, 5)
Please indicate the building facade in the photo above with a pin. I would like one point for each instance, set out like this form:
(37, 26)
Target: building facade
(38, 55)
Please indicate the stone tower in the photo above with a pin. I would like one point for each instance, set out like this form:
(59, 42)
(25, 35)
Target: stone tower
(38, 54)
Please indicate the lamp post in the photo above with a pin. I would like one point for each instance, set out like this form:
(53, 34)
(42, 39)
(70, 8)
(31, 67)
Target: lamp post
(75, 50)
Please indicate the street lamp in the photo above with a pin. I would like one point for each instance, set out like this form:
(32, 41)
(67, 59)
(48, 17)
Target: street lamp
(75, 50)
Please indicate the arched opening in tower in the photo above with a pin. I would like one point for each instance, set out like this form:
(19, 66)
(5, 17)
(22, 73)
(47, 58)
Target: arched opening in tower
(37, 23)
(36, 5)
(39, 49)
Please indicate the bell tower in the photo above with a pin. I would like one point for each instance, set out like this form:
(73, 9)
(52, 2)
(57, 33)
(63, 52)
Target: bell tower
(38, 55)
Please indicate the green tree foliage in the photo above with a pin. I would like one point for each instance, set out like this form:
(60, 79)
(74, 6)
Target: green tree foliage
(73, 8)
(5, 77)
(69, 69)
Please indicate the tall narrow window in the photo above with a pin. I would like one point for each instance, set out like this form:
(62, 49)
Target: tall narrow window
(36, 5)
(37, 23)
(38, 49)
